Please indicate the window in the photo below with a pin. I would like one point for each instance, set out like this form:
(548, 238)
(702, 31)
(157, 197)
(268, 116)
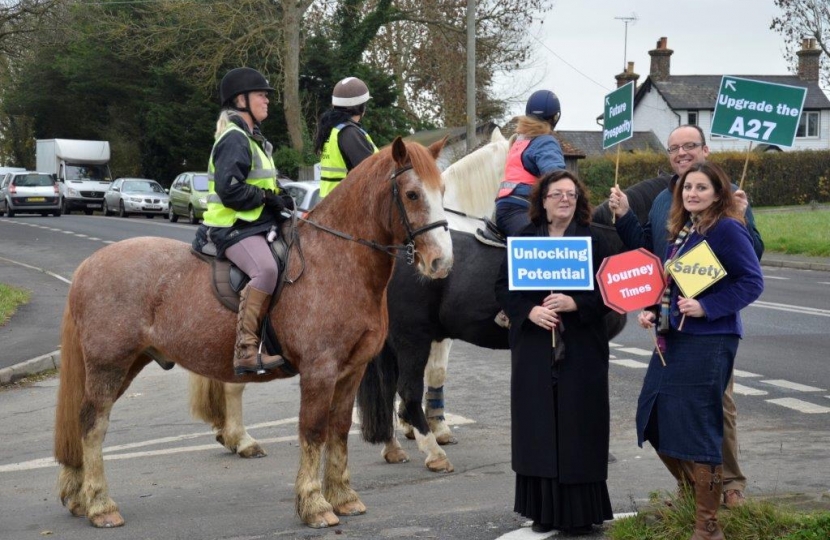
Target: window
(692, 119)
(807, 125)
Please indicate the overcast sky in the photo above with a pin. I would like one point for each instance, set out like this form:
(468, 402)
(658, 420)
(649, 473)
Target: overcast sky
(708, 37)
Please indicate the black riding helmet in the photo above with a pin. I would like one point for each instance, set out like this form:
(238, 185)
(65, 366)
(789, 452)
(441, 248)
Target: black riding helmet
(241, 81)
(544, 105)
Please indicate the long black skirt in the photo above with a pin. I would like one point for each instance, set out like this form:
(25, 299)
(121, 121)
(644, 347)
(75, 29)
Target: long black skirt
(564, 506)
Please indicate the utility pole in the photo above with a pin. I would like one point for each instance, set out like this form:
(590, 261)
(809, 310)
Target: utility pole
(471, 76)
(632, 19)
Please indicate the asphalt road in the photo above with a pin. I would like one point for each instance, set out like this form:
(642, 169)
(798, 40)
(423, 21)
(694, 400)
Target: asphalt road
(173, 481)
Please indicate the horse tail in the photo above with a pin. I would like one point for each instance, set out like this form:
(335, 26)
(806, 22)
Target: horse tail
(376, 397)
(207, 400)
(68, 448)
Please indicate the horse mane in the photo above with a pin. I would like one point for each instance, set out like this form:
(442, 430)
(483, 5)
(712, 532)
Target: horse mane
(473, 181)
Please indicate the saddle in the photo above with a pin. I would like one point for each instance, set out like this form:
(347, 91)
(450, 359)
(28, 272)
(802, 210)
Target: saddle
(227, 282)
(491, 235)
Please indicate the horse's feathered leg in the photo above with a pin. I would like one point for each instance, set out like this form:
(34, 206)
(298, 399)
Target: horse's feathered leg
(436, 374)
(336, 477)
(319, 383)
(235, 435)
(101, 509)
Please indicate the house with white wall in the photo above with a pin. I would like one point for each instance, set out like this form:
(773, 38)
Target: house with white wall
(664, 101)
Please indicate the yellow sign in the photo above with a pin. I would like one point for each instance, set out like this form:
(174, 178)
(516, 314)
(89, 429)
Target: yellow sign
(696, 270)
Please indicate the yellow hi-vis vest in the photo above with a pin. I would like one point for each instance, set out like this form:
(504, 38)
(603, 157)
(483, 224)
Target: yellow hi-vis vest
(332, 165)
(263, 174)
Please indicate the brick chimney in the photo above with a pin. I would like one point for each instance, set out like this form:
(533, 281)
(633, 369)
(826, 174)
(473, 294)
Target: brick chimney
(808, 60)
(627, 76)
(660, 61)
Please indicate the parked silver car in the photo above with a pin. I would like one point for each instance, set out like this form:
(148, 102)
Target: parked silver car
(306, 194)
(135, 196)
(188, 196)
(29, 193)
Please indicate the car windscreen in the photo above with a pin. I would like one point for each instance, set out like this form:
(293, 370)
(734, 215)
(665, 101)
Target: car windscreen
(142, 186)
(33, 180)
(100, 173)
(200, 182)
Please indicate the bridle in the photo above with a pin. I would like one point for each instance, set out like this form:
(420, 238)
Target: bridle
(409, 247)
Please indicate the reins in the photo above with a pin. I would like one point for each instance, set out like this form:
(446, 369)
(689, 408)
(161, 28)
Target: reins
(390, 249)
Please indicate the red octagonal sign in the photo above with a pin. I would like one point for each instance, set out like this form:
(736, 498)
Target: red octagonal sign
(631, 280)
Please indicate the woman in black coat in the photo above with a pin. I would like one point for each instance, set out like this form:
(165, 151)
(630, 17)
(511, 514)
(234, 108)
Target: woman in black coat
(559, 408)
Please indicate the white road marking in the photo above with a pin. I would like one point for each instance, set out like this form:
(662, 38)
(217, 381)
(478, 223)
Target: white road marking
(637, 351)
(824, 282)
(793, 386)
(748, 391)
(526, 533)
(47, 272)
(741, 373)
(776, 277)
(614, 345)
(800, 406)
(625, 362)
(792, 309)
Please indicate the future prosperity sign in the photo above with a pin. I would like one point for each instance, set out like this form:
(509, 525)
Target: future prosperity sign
(758, 111)
(618, 116)
(550, 263)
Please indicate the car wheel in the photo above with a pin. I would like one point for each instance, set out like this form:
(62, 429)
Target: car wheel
(105, 209)
(57, 213)
(66, 207)
(11, 212)
(44, 214)
(122, 212)
(171, 215)
(88, 212)
(149, 216)
(192, 215)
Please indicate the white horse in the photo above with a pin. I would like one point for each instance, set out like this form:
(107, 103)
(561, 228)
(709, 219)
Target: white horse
(471, 185)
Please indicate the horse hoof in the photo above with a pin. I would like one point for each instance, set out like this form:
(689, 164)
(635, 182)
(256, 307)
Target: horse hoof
(445, 439)
(440, 465)
(396, 456)
(321, 521)
(107, 521)
(253, 451)
(354, 508)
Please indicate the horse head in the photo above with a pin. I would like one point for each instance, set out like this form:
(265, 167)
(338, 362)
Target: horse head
(417, 193)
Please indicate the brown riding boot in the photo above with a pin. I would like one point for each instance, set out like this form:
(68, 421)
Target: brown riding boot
(247, 357)
(708, 487)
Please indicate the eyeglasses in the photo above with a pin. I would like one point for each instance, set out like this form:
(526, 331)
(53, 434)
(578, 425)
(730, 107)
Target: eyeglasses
(558, 195)
(688, 147)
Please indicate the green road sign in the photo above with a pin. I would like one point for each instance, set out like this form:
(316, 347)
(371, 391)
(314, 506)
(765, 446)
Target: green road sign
(618, 118)
(758, 111)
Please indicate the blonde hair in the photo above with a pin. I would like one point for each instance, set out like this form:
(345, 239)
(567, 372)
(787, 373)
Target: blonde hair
(533, 127)
(223, 121)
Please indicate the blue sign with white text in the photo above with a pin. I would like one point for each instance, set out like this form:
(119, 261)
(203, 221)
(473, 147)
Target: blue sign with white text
(550, 264)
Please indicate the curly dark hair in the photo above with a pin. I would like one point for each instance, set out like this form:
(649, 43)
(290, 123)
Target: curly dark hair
(539, 216)
(332, 118)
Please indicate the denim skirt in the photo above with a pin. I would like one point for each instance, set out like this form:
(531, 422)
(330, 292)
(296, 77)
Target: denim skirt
(680, 409)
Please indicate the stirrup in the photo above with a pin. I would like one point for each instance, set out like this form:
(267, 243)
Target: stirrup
(260, 368)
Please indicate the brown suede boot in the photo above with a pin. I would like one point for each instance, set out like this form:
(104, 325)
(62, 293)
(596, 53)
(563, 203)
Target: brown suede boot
(708, 487)
(247, 357)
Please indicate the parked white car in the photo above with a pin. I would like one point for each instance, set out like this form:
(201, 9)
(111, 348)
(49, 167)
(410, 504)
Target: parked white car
(306, 195)
(29, 193)
(136, 196)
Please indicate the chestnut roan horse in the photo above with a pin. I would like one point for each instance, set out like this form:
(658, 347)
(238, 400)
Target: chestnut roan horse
(133, 302)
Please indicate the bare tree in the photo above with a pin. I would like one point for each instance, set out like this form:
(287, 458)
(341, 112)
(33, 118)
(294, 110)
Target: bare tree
(805, 19)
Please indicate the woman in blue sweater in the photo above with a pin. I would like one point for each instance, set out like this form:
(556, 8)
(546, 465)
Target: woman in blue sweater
(680, 408)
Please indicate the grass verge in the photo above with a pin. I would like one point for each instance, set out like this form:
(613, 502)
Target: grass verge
(10, 298)
(755, 520)
(796, 232)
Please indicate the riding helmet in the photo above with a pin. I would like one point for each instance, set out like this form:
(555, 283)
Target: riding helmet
(544, 105)
(350, 92)
(240, 81)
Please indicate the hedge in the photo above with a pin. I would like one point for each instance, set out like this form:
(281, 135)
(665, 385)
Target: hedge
(772, 178)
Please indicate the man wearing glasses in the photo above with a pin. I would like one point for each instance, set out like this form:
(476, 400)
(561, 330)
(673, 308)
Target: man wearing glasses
(687, 147)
